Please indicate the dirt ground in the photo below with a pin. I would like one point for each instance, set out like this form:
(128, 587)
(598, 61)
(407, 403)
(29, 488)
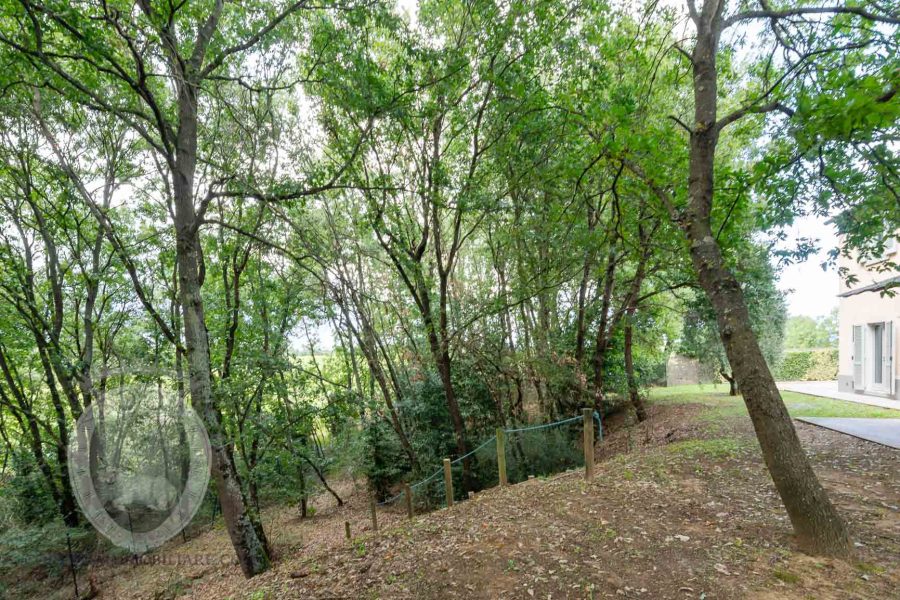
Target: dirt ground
(680, 507)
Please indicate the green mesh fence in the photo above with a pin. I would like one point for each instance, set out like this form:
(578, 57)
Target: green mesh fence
(428, 494)
(544, 451)
(534, 450)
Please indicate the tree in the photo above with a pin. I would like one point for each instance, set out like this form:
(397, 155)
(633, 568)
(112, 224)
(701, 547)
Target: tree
(817, 524)
(494, 210)
(807, 333)
(103, 57)
(700, 338)
(50, 248)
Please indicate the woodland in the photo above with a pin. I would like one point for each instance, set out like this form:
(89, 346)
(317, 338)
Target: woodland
(360, 236)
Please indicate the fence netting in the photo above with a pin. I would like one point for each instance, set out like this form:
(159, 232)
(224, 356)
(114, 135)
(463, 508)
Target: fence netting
(544, 449)
(530, 450)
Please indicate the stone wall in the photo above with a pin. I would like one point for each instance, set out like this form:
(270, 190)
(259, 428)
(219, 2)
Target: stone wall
(682, 370)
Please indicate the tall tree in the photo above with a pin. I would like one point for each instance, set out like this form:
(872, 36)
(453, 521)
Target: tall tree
(105, 57)
(818, 526)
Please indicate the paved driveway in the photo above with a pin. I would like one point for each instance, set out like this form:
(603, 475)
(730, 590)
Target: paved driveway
(880, 431)
(829, 389)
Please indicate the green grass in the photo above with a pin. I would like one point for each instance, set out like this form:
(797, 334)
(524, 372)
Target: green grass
(798, 405)
(786, 576)
(715, 448)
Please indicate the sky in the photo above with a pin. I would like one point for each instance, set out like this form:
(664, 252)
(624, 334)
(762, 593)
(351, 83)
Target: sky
(411, 7)
(811, 290)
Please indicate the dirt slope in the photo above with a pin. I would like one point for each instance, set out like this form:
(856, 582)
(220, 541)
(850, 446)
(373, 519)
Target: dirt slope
(681, 507)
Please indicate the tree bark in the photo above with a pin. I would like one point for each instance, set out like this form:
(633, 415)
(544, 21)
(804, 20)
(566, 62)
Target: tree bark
(67, 504)
(818, 527)
(602, 339)
(440, 352)
(304, 506)
(581, 311)
(321, 476)
(369, 346)
(633, 393)
(22, 412)
(246, 534)
(732, 383)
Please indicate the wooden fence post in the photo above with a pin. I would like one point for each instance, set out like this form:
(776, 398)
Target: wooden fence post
(448, 482)
(72, 563)
(588, 414)
(374, 515)
(501, 456)
(407, 494)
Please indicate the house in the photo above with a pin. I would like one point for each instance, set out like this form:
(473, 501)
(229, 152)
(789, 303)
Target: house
(868, 320)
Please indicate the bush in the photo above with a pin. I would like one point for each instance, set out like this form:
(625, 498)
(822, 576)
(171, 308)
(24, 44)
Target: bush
(426, 420)
(24, 496)
(42, 552)
(808, 365)
(382, 459)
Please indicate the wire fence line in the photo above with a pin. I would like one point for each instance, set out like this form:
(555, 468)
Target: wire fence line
(493, 440)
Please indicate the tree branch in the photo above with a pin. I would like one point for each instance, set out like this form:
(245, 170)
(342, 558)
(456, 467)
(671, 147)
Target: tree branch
(742, 112)
(254, 39)
(106, 224)
(810, 10)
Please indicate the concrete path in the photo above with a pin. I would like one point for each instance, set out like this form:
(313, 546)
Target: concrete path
(880, 431)
(829, 389)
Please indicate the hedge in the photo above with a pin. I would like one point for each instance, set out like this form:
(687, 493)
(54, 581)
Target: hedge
(808, 365)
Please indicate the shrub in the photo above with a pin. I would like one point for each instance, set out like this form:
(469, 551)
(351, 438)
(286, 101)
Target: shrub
(24, 496)
(382, 458)
(808, 365)
(42, 551)
(824, 366)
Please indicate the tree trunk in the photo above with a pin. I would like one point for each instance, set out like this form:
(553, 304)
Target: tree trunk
(304, 509)
(67, 503)
(818, 527)
(253, 454)
(369, 346)
(321, 476)
(518, 406)
(630, 308)
(246, 535)
(443, 360)
(602, 339)
(633, 393)
(581, 312)
(817, 524)
(28, 422)
(251, 549)
(441, 355)
(184, 459)
(507, 344)
(459, 428)
(732, 383)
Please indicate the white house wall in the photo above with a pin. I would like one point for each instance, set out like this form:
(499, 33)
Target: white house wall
(862, 309)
